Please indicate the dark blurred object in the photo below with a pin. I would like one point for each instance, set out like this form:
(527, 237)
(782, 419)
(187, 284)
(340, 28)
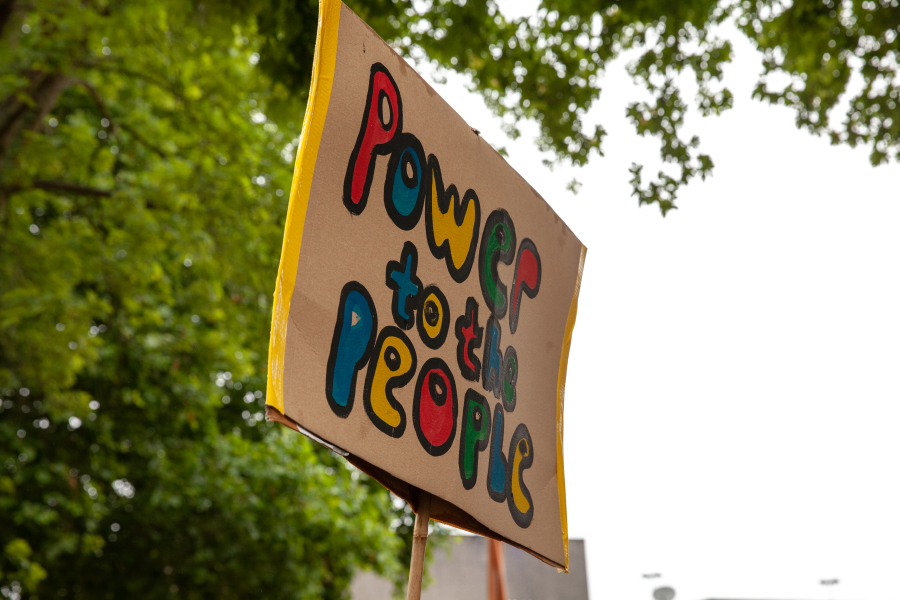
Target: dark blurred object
(664, 593)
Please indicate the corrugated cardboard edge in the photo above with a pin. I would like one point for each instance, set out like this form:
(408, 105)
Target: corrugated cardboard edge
(313, 124)
(560, 402)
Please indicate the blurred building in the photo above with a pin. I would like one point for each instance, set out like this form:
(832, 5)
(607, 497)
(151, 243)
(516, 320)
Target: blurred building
(462, 573)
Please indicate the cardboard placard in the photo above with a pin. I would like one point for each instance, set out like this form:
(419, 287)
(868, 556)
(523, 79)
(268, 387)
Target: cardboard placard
(425, 300)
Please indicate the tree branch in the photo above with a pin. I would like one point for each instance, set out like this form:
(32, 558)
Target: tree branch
(7, 8)
(62, 186)
(114, 125)
(44, 94)
(48, 94)
(162, 153)
(99, 101)
(114, 67)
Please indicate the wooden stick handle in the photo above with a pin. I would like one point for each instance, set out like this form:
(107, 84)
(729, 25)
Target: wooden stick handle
(497, 586)
(420, 537)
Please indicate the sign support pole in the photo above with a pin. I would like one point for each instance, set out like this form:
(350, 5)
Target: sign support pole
(497, 587)
(420, 537)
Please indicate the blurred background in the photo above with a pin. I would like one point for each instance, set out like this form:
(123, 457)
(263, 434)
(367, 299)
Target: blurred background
(732, 399)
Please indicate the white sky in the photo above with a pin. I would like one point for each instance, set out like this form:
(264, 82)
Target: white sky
(732, 400)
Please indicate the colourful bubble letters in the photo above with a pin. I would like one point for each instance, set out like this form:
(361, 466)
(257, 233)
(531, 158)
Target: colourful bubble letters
(433, 318)
(498, 244)
(521, 453)
(400, 276)
(497, 466)
(476, 429)
(351, 345)
(382, 120)
(406, 183)
(392, 366)
(453, 228)
(451, 225)
(435, 407)
(527, 279)
(469, 336)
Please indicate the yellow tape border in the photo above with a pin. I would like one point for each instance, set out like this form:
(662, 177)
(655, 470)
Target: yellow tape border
(560, 401)
(313, 124)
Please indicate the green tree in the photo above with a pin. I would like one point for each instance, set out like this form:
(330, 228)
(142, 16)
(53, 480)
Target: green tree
(143, 190)
(146, 152)
(547, 67)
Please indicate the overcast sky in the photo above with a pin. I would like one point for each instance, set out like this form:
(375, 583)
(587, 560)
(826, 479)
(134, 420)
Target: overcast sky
(732, 407)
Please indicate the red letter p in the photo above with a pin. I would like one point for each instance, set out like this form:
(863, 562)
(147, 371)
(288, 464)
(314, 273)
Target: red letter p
(381, 121)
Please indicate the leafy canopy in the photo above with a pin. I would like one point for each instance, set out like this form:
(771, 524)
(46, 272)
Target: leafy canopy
(145, 158)
(547, 68)
(143, 191)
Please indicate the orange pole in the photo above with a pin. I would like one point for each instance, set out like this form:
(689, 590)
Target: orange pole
(497, 588)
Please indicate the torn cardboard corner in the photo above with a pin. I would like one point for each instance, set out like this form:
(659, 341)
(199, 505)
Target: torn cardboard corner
(425, 300)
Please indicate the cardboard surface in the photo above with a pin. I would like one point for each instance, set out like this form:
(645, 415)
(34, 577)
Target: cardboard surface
(426, 293)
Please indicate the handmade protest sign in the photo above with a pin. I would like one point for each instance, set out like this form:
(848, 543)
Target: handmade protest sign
(425, 300)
